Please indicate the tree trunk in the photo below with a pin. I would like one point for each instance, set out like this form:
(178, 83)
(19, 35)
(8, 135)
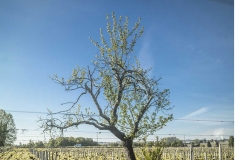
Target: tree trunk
(127, 144)
(1, 143)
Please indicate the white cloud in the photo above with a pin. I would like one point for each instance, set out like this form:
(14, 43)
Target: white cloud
(195, 113)
(219, 132)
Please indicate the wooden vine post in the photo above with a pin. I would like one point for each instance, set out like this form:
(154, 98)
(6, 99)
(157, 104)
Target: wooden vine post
(220, 152)
(191, 152)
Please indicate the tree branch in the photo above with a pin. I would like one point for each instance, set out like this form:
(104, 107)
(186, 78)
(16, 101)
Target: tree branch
(97, 104)
(145, 108)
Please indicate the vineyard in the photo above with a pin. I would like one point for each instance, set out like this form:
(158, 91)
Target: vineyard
(183, 153)
(17, 154)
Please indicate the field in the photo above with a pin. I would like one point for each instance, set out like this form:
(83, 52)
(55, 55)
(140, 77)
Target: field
(115, 154)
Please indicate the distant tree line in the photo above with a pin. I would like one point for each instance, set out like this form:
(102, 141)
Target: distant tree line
(175, 142)
(166, 142)
(71, 141)
(60, 142)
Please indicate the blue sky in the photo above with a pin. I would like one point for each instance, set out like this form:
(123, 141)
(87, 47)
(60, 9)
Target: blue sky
(190, 44)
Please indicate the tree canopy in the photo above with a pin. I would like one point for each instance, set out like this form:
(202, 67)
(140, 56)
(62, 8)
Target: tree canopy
(134, 107)
(7, 129)
(231, 141)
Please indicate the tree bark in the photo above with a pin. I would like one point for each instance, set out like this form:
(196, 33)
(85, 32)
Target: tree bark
(127, 144)
(1, 143)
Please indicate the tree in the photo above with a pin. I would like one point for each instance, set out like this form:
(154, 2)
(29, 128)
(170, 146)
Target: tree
(196, 143)
(179, 143)
(169, 140)
(30, 144)
(173, 142)
(134, 106)
(51, 143)
(7, 129)
(208, 144)
(231, 141)
(39, 144)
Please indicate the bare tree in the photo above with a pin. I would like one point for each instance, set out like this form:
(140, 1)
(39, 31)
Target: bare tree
(134, 105)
